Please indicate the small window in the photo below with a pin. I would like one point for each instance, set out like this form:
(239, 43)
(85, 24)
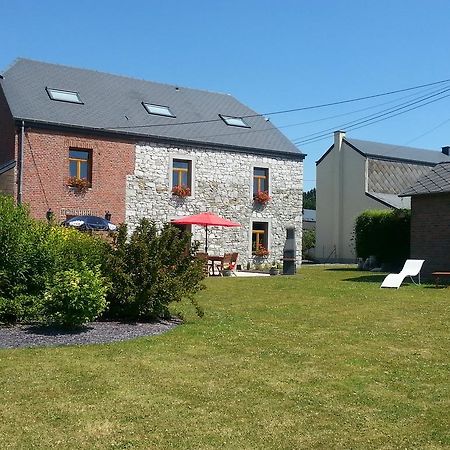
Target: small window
(80, 164)
(158, 110)
(181, 177)
(260, 180)
(64, 96)
(234, 121)
(260, 238)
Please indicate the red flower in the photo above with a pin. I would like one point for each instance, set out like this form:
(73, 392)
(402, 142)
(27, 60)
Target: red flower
(261, 251)
(181, 191)
(79, 184)
(261, 197)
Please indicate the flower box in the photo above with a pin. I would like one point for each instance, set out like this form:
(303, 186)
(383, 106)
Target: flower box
(80, 185)
(261, 197)
(261, 251)
(181, 191)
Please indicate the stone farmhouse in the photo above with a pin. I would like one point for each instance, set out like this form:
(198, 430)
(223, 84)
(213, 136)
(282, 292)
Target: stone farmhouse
(355, 175)
(430, 219)
(145, 149)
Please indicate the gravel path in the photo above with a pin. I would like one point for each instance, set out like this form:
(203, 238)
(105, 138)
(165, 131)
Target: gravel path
(93, 333)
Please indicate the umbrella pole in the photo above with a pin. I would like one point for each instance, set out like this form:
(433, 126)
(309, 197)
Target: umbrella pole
(206, 239)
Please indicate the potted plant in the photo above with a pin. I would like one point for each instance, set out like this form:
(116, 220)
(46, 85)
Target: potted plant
(181, 191)
(261, 251)
(226, 272)
(79, 185)
(261, 197)
(274, 268)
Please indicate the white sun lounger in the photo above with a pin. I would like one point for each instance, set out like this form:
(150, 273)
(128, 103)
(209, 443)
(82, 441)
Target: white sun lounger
(410, 269)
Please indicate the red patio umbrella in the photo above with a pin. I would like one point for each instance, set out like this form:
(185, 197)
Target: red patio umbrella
(206, 219)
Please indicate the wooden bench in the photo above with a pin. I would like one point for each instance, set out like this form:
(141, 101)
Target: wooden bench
(438, 275)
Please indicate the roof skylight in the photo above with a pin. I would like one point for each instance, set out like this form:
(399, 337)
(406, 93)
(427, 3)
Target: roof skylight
(158, 110)
(234, 121)
(63, 96)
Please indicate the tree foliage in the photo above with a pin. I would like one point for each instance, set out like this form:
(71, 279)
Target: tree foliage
(308, 241)
(309, 199)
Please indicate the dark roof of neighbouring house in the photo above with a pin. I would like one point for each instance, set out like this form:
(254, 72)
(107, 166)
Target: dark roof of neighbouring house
(437, 181)
(392, 152)
(397, 152)
(390, 200)
(309, 215)
(113, 104)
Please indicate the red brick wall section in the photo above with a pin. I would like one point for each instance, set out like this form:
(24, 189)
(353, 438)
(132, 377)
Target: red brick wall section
(430, 232)
(46, 170)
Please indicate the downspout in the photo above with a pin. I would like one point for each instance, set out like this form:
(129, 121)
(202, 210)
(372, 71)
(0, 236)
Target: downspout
(20, 174)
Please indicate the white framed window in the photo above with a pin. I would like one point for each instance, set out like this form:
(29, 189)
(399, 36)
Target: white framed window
(181, 175)
(260, 237)
(234, 121)
(260, 179)
(64, 96)
(158, 110)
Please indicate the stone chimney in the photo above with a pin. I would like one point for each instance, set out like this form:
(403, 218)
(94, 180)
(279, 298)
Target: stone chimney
(338, 136)
(446, 150)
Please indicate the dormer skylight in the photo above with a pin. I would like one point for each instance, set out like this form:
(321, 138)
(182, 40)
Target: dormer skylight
(234, 121)
(158, 110)
(63, 96)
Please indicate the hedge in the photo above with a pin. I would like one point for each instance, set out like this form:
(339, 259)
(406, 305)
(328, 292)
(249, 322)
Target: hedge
(385, 235)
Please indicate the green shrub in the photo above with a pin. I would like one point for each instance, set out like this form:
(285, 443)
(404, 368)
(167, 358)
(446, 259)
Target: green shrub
(23, 308)
(67, 248)
(19, 249)
(32, 252)
(385, 235)
(308, 241)
(75, 297)
(151, 270)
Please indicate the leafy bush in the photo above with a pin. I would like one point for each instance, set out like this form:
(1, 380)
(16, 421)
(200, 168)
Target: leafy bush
(67, 248)
(75, 297)
(32, 252)
(151, 270)
(308, 241)
(385, 235)
(23, 308)
(22, 263)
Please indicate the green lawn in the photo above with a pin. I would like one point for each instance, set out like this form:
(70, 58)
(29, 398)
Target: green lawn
(324, 359)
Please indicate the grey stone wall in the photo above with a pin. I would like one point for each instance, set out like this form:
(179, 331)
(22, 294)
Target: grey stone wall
(222, 183)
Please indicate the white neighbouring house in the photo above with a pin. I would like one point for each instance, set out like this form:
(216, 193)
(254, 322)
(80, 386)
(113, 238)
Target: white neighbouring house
(355, 175)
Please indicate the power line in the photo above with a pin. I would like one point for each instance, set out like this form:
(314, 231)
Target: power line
(371, 118)
(379, 113)
(286, 111)
(262, 130)
(428, 131)
(355, 127)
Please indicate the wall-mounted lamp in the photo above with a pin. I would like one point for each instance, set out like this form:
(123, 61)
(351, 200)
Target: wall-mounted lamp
(108, 216)
(49, 214)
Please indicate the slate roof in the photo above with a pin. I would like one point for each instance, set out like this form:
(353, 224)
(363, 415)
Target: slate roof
(393, 177)
(391, 200)
(397, 152)
(309, 215)
(113, 104)
(437, 181)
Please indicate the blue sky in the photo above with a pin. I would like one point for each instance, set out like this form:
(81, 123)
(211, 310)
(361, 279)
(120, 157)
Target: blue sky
(271, 55)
